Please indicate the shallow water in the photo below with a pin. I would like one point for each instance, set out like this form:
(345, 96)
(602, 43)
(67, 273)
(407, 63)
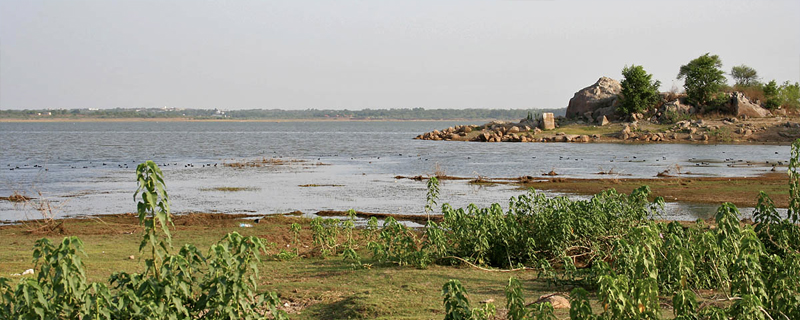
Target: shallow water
(88, 168)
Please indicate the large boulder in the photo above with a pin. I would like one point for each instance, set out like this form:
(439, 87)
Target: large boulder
(548, 121)
(599, 95)
(743, 106)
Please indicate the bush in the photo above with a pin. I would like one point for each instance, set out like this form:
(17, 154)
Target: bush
(789, 95)
(639, 91)
(771, 95)
(704, 80)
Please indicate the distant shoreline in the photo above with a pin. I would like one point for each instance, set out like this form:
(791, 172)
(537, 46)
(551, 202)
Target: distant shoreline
(9, 120)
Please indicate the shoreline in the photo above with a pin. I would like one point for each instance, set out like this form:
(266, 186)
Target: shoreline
(779, 130)
(741, 191)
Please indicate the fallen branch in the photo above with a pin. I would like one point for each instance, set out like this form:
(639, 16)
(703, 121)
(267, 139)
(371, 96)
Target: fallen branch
(486, 269)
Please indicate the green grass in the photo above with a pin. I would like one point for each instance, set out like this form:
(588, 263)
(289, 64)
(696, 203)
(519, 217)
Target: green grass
(314, 287)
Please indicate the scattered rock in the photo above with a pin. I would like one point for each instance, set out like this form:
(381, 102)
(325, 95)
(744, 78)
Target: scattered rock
(557, 301)
(131, 257)
(27, 272)
(676, 107)
(602, 120)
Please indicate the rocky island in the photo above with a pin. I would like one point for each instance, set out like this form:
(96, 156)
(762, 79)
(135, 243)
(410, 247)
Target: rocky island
(633, 110)
(592, 116)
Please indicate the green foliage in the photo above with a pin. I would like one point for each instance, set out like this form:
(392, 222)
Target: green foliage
(515, 301)
(186, 285)
(457, 306)
(789, 95)
(639, 91)
(703, 80)
(433, 194)
(325, 233)
(399, 244)
(517, 310)
(153, 210)
(756, 267)
(744, 76)
(771, 95)
(536, 227)
(580, 308)
(785, 95)
(684, 304)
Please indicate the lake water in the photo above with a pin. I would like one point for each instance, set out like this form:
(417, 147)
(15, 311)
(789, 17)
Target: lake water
(88, 168)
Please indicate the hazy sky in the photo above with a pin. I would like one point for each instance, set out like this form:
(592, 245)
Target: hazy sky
(369, 54)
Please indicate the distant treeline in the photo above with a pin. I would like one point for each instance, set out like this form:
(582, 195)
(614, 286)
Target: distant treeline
(276, 114)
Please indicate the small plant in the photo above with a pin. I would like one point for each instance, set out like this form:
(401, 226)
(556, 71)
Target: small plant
(295, 227)
(432, 196)
(457, 306)
(186, 285)
(325, 233)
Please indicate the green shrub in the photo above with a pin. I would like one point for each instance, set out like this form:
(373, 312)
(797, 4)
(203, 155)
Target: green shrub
(639, 91)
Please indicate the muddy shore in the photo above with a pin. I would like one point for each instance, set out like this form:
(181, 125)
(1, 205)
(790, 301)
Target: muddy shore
(741, 191)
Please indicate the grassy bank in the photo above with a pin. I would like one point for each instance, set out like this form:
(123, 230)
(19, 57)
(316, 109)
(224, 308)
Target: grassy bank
(314, 287)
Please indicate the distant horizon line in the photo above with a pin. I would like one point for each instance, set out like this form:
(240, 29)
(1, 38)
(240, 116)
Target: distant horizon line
(278, 109)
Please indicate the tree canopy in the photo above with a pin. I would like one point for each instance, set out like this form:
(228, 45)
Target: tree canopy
(703, 80)
(744, 76)
(639, 91)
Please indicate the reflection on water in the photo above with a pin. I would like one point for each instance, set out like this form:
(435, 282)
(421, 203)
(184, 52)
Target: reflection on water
(88, 168)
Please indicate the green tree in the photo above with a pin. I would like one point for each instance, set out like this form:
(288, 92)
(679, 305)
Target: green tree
(744, 76)
(789, 95)
(639, 91)
(703, 80)
(770, 90)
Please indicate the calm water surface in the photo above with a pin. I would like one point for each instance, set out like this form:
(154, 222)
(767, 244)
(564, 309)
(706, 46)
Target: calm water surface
(88, 168)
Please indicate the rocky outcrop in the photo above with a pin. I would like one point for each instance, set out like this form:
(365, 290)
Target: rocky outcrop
(599, 95)
(602, 120)
(744, 107)
(610, 112)
(677, 107)
(452, 133)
